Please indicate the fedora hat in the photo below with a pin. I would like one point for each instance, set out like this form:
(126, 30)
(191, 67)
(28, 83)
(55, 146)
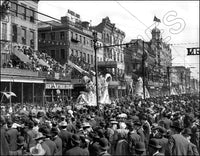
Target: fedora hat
(39, 136)
(37, 150)
(104, 144)
(176, 125)
(20, 141)
(154, 143)
(140, 146)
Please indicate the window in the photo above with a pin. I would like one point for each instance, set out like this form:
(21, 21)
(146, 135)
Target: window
(62, 35)
(32, 15)
(88, 57)
(62, 53)
(43, 36)
(4, 31)
(53, 35)
(23, 12)
(14, 8)
(81, 54)
(77, 53)
(80, 38)
(84, 56)
(53, 53)
(32, 39)
(23, 36)
(91, 59)
(91, 43)
(14, 33)
(84, 40)
(76, 37)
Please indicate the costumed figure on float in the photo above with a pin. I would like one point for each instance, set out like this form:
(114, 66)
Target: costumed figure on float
(88, 97)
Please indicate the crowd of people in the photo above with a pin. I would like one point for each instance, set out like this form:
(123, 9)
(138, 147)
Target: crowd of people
(128, 126)
(80, 61)
(48, 64)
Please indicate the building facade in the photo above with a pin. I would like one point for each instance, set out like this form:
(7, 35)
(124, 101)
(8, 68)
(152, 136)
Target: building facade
(113, 60)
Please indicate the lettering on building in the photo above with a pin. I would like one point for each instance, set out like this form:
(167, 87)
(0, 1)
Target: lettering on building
(193, 51)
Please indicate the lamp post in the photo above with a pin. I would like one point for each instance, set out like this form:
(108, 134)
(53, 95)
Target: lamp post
(96, 66)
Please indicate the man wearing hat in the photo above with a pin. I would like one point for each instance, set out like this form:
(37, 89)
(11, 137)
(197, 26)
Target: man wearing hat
(31, 134)
(103, 147)
(44, 149)
(4, 142)
(12, 134)
(20, 149)
(154, 148)
(139, 149)
(49, 142)
(187, 134)
(133, 137)
(65, 136)
(178, 144)
(57, 140)
(76, 149)
(159, 135)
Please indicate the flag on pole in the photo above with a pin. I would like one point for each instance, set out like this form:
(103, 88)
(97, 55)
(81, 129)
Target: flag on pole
(9, 94)
(156, 19)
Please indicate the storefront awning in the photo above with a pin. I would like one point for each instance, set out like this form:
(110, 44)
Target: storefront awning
(43, 63)
(21, 55)
(76, 67)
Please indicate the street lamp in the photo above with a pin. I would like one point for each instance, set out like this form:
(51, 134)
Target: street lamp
(96, 66)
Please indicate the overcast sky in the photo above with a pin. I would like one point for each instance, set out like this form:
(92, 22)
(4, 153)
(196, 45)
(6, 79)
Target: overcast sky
(179, 21)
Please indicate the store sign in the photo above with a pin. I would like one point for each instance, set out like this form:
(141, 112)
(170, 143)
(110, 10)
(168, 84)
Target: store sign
(193, 51)
(58, 86)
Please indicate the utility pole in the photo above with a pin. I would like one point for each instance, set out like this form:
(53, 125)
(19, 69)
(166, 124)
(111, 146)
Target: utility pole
(96, 66)
(168, 76)
(143, 69)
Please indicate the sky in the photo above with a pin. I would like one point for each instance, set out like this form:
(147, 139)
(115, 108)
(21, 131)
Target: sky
(179, 22)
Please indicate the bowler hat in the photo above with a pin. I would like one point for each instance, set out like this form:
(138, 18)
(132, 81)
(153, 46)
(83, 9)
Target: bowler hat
(54, 130)
(140, 146)
(104, 144)
(187, 131)
(47, 132)
(20, 140)
(154, 143)
(75, 138)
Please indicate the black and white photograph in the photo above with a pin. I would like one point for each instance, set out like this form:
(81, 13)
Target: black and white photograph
(99, 78)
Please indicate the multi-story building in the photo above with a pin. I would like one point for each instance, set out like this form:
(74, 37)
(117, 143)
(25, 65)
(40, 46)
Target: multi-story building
(5, 32)
(154, 70)
(113, 60)
(24, 70)
(24, 23)
(69, 38)
(178, 76)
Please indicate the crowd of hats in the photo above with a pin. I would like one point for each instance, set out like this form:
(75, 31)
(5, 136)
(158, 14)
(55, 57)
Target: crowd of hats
(51, 64)
(126, 113)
